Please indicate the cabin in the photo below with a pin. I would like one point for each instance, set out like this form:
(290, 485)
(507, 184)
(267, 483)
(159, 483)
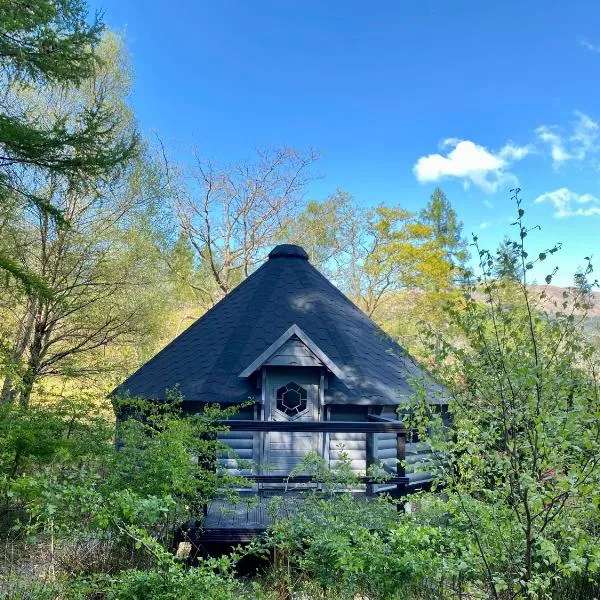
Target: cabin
(320, 375)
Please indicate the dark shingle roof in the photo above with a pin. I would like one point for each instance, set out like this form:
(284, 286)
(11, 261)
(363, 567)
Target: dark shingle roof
(206, 359)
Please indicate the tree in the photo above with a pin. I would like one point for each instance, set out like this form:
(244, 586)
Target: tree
(47, 47)
(371, 254)
(506, 261)
(323, 230)
(522, 464)
(391, 251)
(447, 229)
(87, 265)
(232, 216)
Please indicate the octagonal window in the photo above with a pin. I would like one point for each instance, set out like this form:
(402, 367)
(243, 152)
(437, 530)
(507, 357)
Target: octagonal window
(292, 399)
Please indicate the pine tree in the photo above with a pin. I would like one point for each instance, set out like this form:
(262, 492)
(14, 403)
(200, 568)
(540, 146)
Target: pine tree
(507, 261)
(447, 229)
(46, 45)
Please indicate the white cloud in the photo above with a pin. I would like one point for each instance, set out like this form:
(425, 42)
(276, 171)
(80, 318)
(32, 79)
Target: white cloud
(473, 163)
(585, 134)
(570, 204)
(487, 203)
(577, 146)
(511, 152)
(556, 143)
(589, 46)
(484, 225)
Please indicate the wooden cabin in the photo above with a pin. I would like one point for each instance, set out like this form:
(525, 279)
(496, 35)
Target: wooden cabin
(315, 367)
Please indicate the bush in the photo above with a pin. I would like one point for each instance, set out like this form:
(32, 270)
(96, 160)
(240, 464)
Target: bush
(521, 467)
(64, 489)
(174, 584)
(341, 547)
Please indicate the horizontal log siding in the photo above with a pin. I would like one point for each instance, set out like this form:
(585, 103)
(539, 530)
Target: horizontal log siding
(418, 456)
(241, 444)
(353, 445)
(386, 448)
(386, 454)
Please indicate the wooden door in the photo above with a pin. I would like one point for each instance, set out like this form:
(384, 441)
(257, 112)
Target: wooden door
(292, 397)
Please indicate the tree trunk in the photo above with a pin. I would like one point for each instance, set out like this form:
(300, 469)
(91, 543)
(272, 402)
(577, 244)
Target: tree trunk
(33, 364)
(9, 393)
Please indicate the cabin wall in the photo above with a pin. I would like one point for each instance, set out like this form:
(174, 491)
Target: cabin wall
(386, 443)
(245, 446)
(417, 454)
(386, 447)
(353, 445)
(420, 460)
(242, 444)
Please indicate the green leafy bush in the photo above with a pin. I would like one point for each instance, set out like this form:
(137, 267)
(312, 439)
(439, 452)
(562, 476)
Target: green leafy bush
(521, 469)
(340, 547)
(82, 505)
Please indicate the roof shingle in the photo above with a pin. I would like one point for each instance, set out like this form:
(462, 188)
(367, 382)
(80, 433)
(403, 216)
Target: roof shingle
(206, 359)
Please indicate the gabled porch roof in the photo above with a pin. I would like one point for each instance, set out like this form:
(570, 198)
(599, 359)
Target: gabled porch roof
(293, 331)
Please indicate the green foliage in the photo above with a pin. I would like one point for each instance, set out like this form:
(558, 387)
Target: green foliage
(338, 547)
(208, 581)
(525, 444)
(93, 273)
(447, 229)
(374, 254)
(48, 39)
(48, 52)
(166, 452)
(324, 230)
(508, 256)
(63, 484)
(211, 580)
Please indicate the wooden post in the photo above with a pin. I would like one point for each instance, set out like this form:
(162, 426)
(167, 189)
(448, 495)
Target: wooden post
(400, 456)
(370, 460)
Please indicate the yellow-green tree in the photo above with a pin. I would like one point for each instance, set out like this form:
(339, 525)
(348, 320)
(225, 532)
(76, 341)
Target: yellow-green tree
(97, 277)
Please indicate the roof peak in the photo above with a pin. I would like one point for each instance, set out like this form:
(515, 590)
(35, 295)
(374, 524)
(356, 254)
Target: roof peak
(288, 251)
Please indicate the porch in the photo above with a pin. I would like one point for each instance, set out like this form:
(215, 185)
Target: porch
(239, 522)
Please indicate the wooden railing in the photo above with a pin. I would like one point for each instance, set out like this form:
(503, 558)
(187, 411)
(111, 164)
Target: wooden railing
(377, 425)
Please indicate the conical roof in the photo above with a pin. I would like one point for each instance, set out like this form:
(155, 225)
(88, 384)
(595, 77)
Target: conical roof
(206, 360)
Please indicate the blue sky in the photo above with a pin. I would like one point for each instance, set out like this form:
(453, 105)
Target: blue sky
(398, 97)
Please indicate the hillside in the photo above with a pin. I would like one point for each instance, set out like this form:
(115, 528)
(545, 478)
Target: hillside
(554, 299)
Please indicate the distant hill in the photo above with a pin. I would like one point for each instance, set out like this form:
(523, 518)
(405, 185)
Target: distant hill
(554, 299)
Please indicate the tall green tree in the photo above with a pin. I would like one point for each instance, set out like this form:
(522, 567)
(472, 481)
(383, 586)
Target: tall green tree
(447, 229)
(507, 259)
(46, 46)
(88, 264)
